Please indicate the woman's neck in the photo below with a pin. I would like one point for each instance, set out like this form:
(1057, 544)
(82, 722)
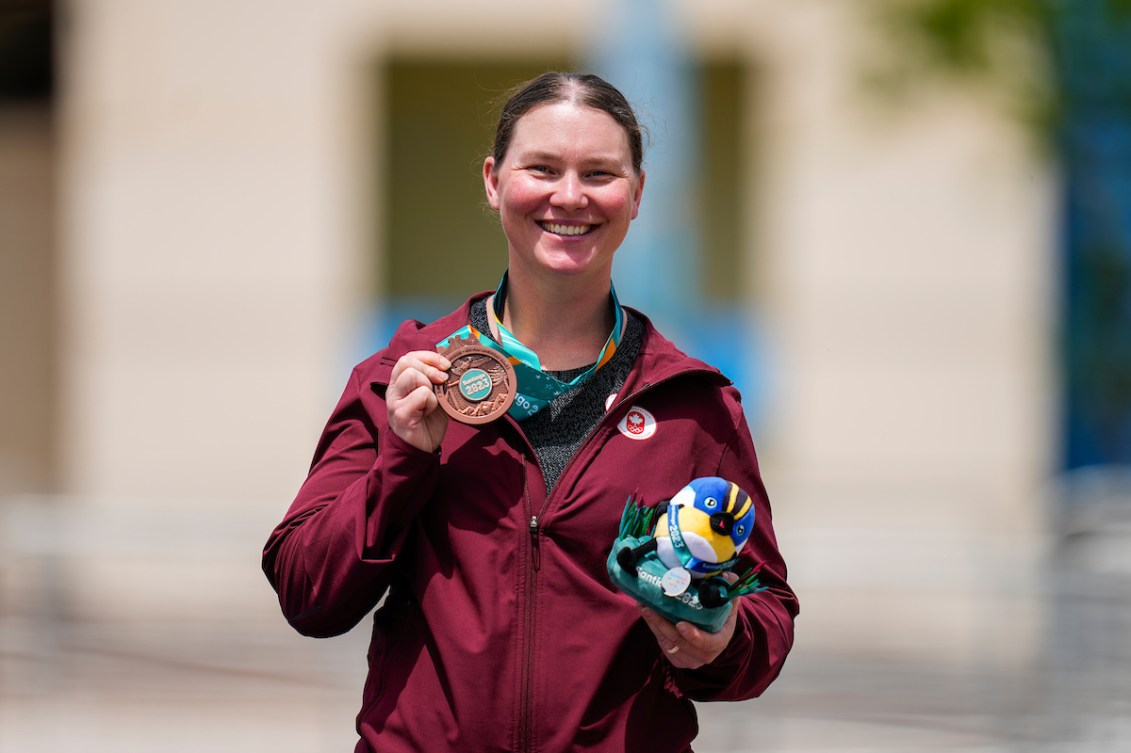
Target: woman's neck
(566, 325)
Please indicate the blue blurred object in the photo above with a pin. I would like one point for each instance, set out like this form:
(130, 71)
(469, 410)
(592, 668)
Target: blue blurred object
(658, 268)
(642, 54)
(1094, 69)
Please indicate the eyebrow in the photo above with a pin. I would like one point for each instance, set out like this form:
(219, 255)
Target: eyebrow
(544, 156)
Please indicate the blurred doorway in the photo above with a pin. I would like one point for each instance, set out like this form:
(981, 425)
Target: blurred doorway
(29, 157)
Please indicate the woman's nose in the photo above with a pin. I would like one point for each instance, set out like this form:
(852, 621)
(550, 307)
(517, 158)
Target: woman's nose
(569, 193)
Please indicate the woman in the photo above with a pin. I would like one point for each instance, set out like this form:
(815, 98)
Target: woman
(500, 629)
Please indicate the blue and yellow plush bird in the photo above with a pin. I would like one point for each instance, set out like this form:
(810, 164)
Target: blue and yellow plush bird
(705, 525)
(673, 556)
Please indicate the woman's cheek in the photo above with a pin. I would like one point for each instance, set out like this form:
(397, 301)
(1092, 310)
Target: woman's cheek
(523, 196)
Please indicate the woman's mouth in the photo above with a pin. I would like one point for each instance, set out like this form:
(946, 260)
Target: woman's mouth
(559, 229)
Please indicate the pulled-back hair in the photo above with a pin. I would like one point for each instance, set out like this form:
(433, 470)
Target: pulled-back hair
(583, 88)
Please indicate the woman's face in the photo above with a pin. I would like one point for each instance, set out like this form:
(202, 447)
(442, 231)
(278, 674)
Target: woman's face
(565, 191)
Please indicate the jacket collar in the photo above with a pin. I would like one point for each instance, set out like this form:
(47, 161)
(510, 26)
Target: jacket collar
(659, 360)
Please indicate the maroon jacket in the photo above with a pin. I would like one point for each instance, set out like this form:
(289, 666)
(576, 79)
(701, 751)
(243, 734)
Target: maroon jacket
(501, 630)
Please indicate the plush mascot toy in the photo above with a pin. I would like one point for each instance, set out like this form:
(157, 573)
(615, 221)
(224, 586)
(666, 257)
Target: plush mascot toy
(676, 557)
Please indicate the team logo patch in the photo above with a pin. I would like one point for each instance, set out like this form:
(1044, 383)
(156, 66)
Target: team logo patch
(638, 423)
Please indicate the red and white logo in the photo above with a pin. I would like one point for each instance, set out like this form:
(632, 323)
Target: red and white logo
(638, 423)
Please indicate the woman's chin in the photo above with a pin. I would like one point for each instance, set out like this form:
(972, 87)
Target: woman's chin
(572, 263)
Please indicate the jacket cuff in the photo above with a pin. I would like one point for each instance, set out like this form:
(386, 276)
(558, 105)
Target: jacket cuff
(713, 680)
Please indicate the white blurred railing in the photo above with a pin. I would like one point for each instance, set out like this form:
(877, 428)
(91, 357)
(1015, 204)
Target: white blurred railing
(173, 585)
(128, 626)
(1085, 678)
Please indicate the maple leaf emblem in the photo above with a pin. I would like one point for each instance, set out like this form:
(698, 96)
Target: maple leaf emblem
(635, 422)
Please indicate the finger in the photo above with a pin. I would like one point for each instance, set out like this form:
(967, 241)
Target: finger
(422, 367)
(412, 374)
(430, 357)
(695, 635)
(415, 406)
(698, 643)
(407, 381)
(662, 628)
(434, 360)
(706, 645)
(430, 364)
(706, 640)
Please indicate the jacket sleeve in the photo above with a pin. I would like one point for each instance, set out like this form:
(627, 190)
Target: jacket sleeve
(763, 633)
(331, 559)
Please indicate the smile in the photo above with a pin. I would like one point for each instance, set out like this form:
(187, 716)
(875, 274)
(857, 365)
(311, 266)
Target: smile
(557, 229)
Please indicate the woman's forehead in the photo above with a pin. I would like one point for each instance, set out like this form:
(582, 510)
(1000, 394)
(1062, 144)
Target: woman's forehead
(567, 126)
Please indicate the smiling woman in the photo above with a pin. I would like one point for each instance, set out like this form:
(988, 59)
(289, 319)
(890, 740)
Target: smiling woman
(501, 628)
(566, 190)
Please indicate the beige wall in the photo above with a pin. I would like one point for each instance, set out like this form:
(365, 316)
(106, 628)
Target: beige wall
(910, 252)
(210, 265)
(217, 218)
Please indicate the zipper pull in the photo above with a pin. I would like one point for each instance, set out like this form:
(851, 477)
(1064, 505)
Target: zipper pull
(535, 551)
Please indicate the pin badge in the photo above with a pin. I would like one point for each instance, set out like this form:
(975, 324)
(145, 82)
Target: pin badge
(675, 581)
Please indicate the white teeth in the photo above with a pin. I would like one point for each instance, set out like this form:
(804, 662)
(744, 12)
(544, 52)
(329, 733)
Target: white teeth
(566, 229)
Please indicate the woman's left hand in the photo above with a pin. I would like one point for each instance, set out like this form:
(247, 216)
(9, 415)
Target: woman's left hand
(685, 645)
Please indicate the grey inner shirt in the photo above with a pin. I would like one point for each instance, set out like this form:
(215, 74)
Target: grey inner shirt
(557, 431)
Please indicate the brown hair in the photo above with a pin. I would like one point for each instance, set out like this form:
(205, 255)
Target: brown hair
(584, 88)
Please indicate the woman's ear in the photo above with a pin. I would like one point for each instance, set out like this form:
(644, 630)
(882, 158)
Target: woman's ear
(491, 183)
(638, 195)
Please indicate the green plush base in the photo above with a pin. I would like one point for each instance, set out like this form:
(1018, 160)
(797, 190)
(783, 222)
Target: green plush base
(645, 588)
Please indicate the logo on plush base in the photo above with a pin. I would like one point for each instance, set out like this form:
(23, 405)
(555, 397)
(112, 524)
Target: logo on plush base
(650, 585)
(481, 384)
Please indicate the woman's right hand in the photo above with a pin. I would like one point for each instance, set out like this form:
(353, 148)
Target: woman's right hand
(412, 405)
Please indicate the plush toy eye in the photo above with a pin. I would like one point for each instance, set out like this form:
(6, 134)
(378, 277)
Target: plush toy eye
(711, 503)
(739, 530)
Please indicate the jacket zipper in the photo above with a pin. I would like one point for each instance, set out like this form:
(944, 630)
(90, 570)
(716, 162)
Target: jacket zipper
(533, 530)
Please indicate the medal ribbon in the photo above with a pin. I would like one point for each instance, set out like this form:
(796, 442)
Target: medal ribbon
(536, 388)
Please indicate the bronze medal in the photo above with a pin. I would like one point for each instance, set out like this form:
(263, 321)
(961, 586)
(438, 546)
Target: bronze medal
(481, 384)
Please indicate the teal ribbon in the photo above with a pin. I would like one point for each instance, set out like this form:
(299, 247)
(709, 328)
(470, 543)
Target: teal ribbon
(536, 388)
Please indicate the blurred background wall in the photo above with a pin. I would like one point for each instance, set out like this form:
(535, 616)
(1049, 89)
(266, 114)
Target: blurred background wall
(209, 211)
